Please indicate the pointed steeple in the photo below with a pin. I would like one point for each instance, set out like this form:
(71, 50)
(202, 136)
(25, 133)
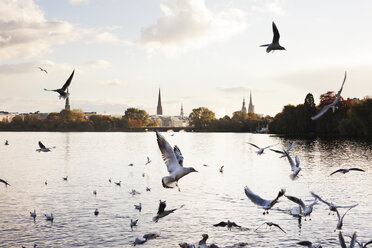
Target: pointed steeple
(159, 109)
(244, 108)
(182, 110)
(250, 106)
(67, 104)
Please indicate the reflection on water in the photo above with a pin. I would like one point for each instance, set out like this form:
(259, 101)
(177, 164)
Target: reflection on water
(90, 159)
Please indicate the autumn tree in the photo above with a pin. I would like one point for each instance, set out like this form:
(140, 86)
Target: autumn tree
(201, 117)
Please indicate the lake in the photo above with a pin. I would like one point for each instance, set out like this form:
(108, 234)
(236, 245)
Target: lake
(90, 159)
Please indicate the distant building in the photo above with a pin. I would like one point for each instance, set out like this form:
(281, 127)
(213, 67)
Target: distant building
(7, 116)
(250, 106)
(182, 110)
(159, 109)
(244, 108)
(67, 104)
(170, 121)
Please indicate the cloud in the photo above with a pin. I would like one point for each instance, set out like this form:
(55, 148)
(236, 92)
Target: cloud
(98, 64)
(31, 67)
(113, 83)
(188, 25)
(76, 2)
(24, 31)
(240, 89)
(269, 6)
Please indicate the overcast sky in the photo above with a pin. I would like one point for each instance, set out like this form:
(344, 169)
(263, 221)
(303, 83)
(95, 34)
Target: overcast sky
(199, 52)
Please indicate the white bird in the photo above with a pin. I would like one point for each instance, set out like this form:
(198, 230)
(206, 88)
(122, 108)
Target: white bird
(33, 214)
(49, 217)
(331, 105)
(294, 167)
(145, 238)
(332, 207)
(62, 91)
(265, 204)
(148, 161)
(274, 45)
(43, 148)
(133, 223)
(284, 152)
(138, 207)
(308, 244)
(96, 212)
(305, 210)
(162, 212)
(261, 150)
(341, 218)
(344, 171)
(342, 240)
(134, 192)
(174, 160)
(270, 224)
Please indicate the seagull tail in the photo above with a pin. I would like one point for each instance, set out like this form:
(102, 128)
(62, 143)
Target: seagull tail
(168, 182)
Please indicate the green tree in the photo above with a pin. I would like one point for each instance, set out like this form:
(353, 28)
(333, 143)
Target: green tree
(201, 118)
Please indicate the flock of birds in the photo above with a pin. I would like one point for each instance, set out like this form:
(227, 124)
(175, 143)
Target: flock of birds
(173, 159)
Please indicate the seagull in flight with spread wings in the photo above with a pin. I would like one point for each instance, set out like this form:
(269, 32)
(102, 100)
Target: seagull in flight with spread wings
(174, 160)
(4, 182)
(284, 152)
(270, 224)
(229, 224)
(342, 240)
(261, 150)
(41, 69)
(305, 209)
(341, 218)
(62, 91)
(295, 167)
(265, 204)
(274, 45)
(162, 212)
(332, 207)
(43, 148)
(331, 105)
(344, 171)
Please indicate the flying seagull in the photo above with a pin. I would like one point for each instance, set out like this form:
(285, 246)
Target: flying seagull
(261, 150)
(162, 212)
(148, 189)
(364, 245)
(294, 167)
(344, 171)
(331, 105)
(145, 238)
(118, 183)
(275, 43)
(4, 182)
(148, 161)
(308, 244)
(6, 142)
(265, 204)
(62, 91)
(229, 224)
(41, 69)
(65, 178)
(305, 210)
(341, 218)
(284, 152)
(332, 207)
(43, 148)
(271, 224)
(221, 169)
(342, 240)
(174, 160)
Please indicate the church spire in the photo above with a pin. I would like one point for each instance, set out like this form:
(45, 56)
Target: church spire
(67, 104)
(244, 108)
(159, 109)
(182, 110)
(250, 106)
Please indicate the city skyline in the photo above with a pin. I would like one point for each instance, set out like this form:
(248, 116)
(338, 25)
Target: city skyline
(200, 53)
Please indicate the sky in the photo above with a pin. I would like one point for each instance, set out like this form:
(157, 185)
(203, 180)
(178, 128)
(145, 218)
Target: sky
(199, 52)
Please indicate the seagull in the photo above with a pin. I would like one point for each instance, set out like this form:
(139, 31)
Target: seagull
(62, 91)
(305, 210)
(261, 150)
(41, 69)
(331, 105)
(118, 183)
(143, 174)
(130, 164)
(271, 224)
(49, 217)
(186, 245)
(221, 169)
(341, 219)
(342, 240)
(134, 192)
(4, 182)
(110, 180)
(344, 171)
(145, 238)
(364, 245)
(46, 182)
(284, 152)
(174, 160)
(229, 224)
(6, 142)
(94, 192)
(65, 178)
(133, 223)
(148, 161)
(202, 243)
(162, 212)
(139, 207)
(275, 43)
(148, 189)
(96, 212)
(308, 244)
(265, 204)
(33, 214)
(44, 148)
(294, 167)
(331, 206)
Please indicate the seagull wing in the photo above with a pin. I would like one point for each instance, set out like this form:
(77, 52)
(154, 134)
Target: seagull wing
(296, 200)
(5, 182)
(253, 197)
(178, 154)
(167, 152)
(290, 160)
(68, 81)
(222, 223)
(357, 169)
(297, 161)
(279, 227)
(342, 86)
(353, 240)
(162, 206)
(277, 151)
(276, 34)
(320, 199)
(254, 145)
(339, 170)
(270, 146)
(290, 147)
(305, 243)
(342, 240)
(234, 224)
(41, 145)
(368, 243)
(260, 226)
